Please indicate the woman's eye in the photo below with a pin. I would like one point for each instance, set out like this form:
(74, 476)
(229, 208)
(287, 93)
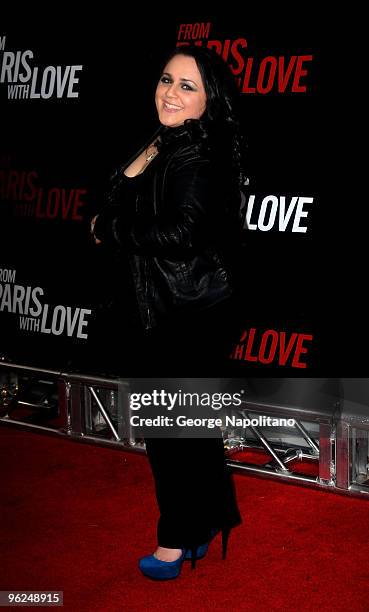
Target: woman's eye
(167, 81)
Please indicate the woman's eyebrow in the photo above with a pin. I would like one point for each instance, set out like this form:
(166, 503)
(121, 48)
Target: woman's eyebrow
(189, 81)
(181, 79)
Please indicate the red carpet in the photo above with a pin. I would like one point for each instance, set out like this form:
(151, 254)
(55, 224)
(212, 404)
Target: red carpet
(75, 518)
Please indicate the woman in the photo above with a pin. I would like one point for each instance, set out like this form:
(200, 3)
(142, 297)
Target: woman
(175, 215)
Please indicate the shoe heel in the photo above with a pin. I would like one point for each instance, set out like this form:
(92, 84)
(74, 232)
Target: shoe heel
(193, 556)
(225, 535)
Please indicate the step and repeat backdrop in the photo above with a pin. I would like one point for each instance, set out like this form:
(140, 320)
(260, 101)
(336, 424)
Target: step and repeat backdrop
(76, 102)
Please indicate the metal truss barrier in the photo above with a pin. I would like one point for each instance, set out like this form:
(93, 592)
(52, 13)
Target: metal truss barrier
(325, 443)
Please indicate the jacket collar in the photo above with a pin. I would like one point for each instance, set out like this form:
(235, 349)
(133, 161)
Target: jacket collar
(172, 134)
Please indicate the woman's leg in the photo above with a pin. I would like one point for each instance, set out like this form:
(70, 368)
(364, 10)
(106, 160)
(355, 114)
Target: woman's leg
(194, 489)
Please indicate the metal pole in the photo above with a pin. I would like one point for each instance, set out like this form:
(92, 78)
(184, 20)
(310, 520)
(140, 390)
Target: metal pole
(104, 413)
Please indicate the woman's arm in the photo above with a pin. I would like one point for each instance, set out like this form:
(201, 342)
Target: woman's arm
(185, 219)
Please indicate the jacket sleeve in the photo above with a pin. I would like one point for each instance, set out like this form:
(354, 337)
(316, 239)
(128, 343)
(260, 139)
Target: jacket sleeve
(184, 220)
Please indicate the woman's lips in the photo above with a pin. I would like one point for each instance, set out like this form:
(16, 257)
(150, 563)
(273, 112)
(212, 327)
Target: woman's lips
(171, 108)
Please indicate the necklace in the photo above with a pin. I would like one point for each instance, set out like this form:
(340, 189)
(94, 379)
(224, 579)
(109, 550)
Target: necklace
(150, 156)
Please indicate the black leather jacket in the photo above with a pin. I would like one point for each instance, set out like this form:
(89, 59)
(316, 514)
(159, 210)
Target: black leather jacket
(182, 230)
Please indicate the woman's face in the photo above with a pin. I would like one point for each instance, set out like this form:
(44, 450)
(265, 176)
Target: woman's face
(180, 93)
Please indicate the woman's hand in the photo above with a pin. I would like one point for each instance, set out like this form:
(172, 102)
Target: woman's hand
(92, 226)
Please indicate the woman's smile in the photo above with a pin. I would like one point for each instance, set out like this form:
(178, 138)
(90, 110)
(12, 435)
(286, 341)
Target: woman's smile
(171, 108)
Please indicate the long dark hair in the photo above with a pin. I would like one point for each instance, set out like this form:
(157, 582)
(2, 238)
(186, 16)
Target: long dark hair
(221, 119)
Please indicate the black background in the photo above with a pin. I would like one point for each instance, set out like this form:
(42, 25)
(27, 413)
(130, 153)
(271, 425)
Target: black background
(292, 282)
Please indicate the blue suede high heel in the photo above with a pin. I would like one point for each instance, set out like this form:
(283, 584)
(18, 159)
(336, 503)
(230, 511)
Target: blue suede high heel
(154, 568)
